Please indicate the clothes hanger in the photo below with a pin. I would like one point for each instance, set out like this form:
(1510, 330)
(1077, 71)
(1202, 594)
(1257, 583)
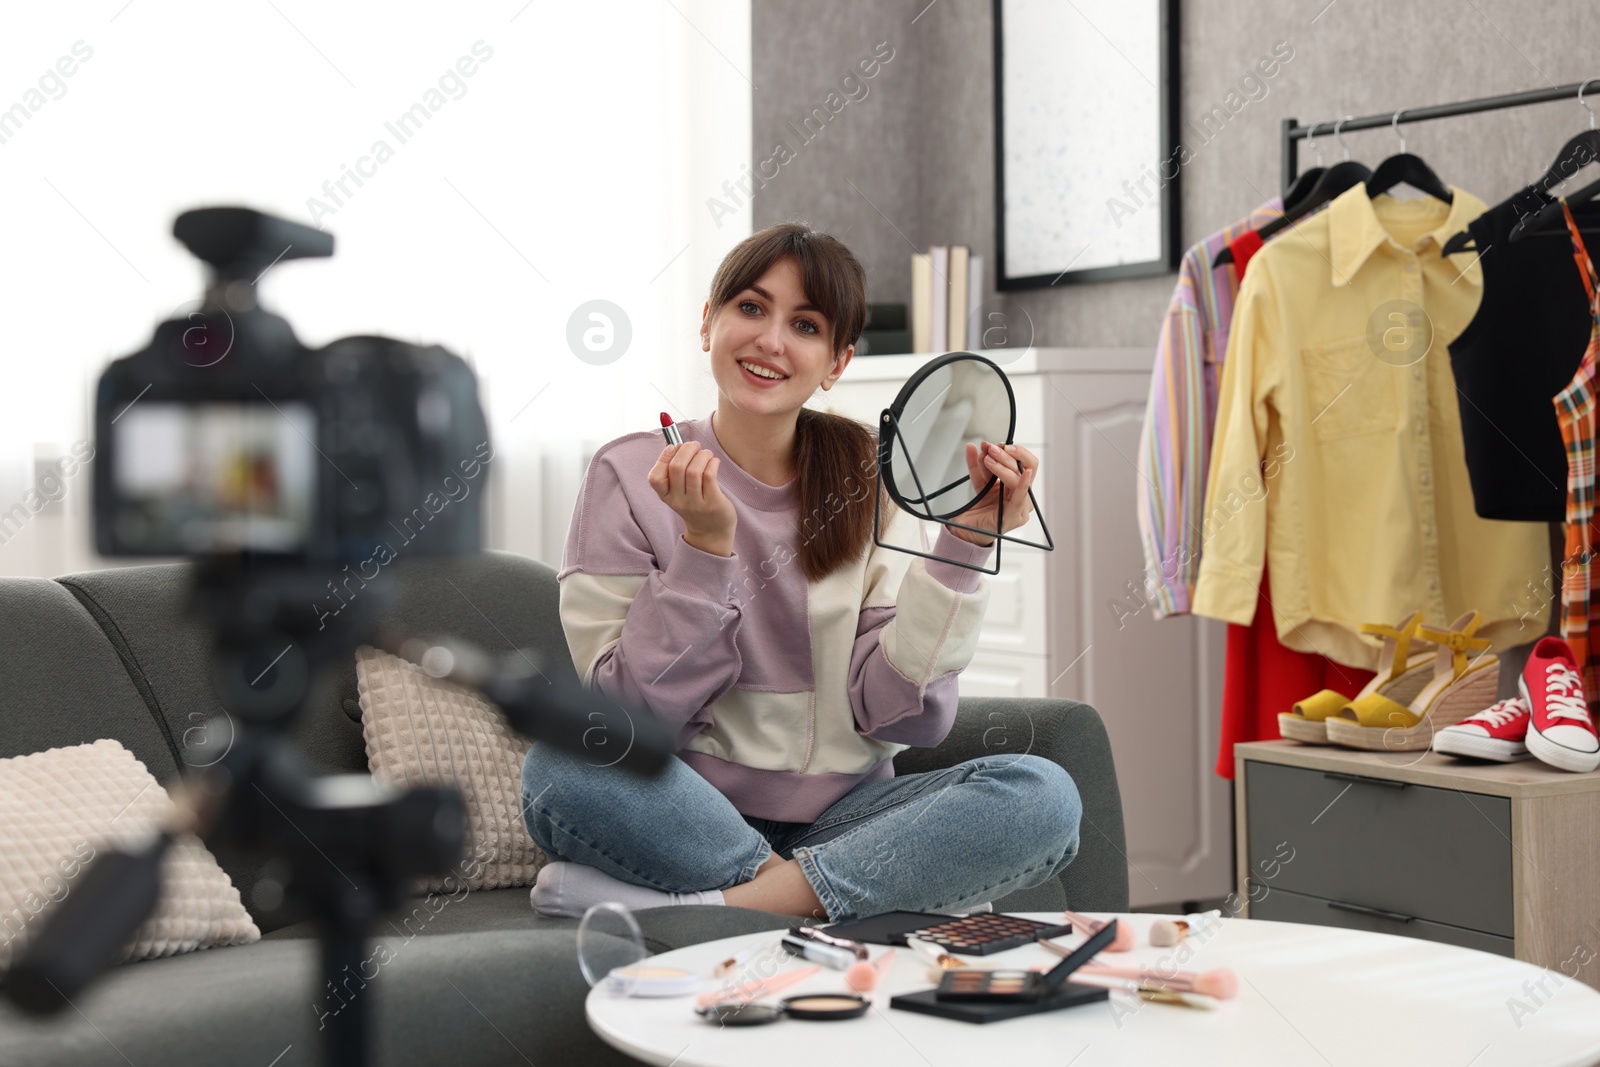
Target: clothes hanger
(1306, 182)
(1406, 168)
(1334, 181)
(1588, 141)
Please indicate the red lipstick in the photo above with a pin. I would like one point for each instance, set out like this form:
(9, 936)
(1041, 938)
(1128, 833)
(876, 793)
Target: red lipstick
(670, 431)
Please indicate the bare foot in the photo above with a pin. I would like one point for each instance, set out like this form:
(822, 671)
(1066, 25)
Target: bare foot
(779, 887)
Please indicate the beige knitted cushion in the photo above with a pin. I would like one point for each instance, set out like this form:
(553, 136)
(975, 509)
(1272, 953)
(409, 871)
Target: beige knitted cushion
(61, 808)
(423, 730)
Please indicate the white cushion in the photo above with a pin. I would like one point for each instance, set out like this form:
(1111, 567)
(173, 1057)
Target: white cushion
(421, 730)
(61, 808)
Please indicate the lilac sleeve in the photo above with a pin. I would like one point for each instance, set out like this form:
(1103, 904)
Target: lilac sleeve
(908, 655)
(661, 639)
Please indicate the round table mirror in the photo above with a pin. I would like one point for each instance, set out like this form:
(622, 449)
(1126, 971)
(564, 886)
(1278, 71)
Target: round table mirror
(922, 441)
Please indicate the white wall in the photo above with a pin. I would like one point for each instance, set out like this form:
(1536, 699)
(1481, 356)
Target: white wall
(573, 164)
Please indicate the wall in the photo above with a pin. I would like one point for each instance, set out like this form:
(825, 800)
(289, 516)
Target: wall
(919, 147)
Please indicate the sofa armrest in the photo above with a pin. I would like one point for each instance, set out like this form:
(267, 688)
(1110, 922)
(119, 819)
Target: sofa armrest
(1071, 734)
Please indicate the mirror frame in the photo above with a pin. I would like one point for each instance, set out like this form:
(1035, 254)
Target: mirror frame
(889, 432)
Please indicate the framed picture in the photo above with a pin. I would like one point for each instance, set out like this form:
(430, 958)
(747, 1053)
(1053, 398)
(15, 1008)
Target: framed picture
(1086, 155)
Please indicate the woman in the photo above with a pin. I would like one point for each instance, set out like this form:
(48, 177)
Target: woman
(791, 685)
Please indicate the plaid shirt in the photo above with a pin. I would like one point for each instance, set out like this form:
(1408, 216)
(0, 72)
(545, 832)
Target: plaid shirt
(1575, 410)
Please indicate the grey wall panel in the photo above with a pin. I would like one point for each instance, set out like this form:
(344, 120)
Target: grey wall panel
(920, 146)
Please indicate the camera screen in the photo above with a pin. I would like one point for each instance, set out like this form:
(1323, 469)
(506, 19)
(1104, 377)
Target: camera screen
(214, 477)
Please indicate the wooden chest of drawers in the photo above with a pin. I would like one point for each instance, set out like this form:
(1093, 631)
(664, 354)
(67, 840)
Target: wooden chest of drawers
(1499, 857)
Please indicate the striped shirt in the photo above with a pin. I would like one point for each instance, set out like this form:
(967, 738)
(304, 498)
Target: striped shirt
(1175, 445)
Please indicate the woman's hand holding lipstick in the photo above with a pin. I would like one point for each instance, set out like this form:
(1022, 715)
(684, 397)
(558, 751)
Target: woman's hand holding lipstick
(685, 478)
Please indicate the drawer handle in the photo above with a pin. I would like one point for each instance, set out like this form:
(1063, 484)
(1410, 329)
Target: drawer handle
(1358, 779)
(1362, 909)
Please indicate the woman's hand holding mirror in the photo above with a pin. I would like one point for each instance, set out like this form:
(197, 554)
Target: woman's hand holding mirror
(1015, 467)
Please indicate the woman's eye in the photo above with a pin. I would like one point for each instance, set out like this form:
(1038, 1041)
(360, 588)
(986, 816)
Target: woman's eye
(745, 305)
(806, 326)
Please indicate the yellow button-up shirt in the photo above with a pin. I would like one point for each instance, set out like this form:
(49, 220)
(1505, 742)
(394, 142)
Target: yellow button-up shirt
(1337, 455)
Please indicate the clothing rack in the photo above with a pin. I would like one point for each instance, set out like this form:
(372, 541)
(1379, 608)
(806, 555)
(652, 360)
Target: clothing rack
(1293, 131)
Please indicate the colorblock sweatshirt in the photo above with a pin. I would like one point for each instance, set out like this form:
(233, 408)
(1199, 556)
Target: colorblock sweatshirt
(784, 693)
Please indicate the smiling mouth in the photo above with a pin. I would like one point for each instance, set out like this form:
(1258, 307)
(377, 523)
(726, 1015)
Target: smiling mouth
(748, 369)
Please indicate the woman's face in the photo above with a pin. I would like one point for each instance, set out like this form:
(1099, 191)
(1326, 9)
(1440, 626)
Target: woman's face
(771, 324)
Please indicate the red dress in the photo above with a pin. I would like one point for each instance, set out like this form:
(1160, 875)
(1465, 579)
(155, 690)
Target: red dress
(1261, 678)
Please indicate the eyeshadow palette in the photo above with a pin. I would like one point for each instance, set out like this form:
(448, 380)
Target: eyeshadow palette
(986, 932)
(984, 985)
(972, 935)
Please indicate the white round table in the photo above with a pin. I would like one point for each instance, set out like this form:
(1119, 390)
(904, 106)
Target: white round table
(1313, 995)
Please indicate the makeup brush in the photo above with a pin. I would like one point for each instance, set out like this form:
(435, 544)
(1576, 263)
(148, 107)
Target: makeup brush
(1146, 992)
(863, 976)
(737, 960)
(1124, 939)
(1164, 933)
(760, 987)
(934, 954)
(1219, 982)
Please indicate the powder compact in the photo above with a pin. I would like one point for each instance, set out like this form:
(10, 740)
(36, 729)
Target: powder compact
(642, 981)
(823, 1006)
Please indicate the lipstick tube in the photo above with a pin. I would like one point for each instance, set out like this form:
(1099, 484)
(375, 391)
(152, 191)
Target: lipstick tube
(669, 430)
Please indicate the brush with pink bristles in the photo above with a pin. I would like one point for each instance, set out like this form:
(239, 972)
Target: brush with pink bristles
(863, 976)
(1123, 941)
(1219, 982)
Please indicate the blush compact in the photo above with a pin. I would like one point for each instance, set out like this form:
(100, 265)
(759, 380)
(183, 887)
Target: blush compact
(820, 1006)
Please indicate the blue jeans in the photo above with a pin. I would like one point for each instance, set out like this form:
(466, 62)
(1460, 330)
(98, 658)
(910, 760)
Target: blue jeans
(944, 840)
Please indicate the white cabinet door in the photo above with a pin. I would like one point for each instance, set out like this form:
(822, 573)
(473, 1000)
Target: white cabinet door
(1154, 683)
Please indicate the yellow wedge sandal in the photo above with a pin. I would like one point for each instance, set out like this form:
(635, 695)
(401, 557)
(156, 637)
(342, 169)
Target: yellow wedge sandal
(1462, 685)
(1401, 675)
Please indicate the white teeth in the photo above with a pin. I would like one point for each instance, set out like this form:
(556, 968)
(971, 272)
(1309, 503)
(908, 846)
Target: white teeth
(761, 371)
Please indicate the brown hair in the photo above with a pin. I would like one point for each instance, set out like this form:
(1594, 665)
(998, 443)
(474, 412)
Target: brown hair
(835, 457)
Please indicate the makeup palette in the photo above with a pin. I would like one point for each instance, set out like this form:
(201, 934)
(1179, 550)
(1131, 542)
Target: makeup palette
(974, 935)
(982, 996)
(1020, 985)
(986, 932)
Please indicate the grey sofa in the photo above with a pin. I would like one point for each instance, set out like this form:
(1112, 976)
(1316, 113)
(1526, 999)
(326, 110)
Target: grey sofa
(486, 980)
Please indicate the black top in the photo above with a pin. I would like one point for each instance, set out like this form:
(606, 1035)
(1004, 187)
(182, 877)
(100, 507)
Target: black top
(1521, 349)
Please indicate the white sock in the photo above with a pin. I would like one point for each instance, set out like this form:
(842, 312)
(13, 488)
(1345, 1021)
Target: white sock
(568, 889)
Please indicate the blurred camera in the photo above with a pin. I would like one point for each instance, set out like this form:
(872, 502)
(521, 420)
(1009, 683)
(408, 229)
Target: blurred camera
(226, 436)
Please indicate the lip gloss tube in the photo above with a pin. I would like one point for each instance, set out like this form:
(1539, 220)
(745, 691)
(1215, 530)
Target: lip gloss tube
(669, 430)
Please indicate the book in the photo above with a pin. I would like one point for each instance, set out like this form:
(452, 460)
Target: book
(939, 257)
(956, 329)
(975, 302)
(921, 302)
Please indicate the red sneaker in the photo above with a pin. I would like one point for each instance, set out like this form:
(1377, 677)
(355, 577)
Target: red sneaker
(1497, 732)
(1560, 731)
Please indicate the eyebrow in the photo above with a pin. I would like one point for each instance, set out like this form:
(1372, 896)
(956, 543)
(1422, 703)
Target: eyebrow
(798, 307)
